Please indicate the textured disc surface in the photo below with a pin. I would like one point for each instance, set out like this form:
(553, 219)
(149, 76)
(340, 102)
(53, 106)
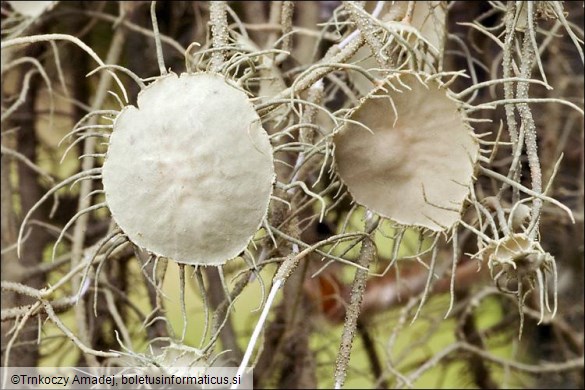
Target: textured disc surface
(429, 147)
(188, 174)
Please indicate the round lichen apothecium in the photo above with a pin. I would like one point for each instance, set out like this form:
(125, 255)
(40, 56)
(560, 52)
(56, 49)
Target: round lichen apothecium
(188, 174)
(417, 164)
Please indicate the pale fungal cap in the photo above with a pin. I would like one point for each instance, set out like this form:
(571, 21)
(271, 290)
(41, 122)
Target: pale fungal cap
(428, 18)
(32, 9)
(189, 173)
(520, 216)
(428, 153)
(507, 250)
(518, 252)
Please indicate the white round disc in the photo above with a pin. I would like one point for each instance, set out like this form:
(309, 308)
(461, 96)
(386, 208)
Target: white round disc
(188, 174)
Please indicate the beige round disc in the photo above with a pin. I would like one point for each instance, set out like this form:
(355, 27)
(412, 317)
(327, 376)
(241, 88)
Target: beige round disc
(429, 147)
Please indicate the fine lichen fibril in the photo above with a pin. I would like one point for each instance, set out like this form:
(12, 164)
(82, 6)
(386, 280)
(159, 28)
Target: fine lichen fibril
(189, 173)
